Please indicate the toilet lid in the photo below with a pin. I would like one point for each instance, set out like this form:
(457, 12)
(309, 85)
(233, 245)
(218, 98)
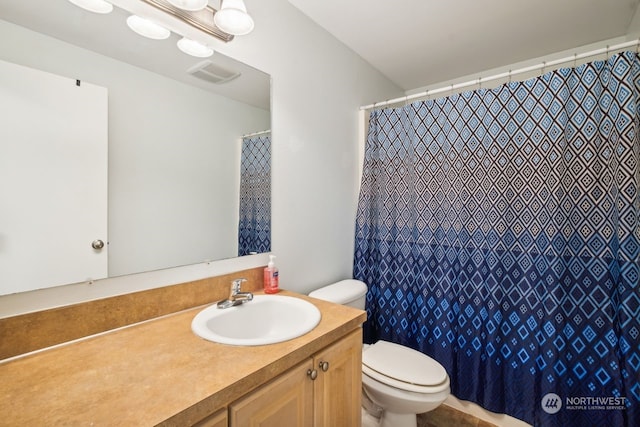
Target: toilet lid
(403, 364)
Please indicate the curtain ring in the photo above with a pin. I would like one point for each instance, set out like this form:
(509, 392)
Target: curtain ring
(607, 53)
(544, 65)
(575, 60)
(509, 74)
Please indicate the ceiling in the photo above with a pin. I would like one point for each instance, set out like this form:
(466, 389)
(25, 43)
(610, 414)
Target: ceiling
(416, 43)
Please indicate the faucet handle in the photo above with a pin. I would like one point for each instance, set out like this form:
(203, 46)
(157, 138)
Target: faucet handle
(236, 285)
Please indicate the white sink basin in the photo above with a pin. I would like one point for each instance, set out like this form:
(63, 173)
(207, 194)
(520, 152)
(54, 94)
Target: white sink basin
(268, 319)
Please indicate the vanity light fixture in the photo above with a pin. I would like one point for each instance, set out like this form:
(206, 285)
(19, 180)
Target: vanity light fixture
(201, 20)
(233, 18)
(194, 48)
(147, 28)
(191, 5)
(96, 6)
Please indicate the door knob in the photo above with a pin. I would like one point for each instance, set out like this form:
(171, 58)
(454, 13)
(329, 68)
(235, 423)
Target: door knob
(97, 244)
(324, 366)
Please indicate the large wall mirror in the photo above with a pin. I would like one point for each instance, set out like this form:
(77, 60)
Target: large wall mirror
(174, 137)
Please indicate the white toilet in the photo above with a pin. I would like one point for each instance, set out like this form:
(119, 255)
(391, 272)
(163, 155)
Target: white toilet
(398, 382)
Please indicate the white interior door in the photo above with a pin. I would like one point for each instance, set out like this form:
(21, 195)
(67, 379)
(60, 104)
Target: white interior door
(53, 179)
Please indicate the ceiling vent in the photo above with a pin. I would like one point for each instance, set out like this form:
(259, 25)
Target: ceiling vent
(213, 73)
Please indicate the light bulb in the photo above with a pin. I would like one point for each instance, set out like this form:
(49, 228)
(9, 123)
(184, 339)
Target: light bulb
(194, 48)
(96, 6)
(147, 28)
(232, 18)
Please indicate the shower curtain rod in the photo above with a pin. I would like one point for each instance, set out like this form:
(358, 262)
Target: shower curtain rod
(508, 74)
(256, 133)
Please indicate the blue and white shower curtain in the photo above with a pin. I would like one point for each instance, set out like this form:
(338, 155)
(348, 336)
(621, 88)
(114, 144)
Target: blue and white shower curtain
(499, 232)
(254, 229)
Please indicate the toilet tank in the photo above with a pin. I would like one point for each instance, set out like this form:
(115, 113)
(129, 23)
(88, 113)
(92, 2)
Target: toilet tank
(349, 292)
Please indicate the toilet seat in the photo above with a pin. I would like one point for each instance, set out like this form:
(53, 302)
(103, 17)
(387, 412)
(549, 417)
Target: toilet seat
(403, 368)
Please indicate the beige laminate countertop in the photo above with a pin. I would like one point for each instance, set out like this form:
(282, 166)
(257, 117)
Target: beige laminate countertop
(156, 372)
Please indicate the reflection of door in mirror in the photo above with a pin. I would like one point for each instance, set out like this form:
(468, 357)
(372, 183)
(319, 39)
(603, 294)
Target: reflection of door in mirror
(254, 229)
(53, 175)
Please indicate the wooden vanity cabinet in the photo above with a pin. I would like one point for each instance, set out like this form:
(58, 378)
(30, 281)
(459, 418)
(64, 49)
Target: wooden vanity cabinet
(285, 401)
(324, 391)
(218, 419)
(338, 386)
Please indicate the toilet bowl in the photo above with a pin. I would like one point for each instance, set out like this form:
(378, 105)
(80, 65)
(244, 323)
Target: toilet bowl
(397, 382)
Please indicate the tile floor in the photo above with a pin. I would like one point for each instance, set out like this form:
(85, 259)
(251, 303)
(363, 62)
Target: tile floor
(446, 416)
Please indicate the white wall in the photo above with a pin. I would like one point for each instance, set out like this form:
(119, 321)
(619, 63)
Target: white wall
(317, 86)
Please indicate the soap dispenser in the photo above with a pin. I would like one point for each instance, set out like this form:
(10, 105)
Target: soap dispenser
(271, 276)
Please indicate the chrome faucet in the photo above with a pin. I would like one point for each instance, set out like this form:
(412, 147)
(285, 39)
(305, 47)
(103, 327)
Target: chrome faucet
(235, 296)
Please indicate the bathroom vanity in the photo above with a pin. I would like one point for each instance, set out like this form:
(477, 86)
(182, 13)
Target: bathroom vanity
(159, 372)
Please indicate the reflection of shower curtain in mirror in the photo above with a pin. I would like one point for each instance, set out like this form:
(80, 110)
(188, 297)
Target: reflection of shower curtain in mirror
(254, 230)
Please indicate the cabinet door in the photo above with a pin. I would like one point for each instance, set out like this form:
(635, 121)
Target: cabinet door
(338, 387)
(285, 401)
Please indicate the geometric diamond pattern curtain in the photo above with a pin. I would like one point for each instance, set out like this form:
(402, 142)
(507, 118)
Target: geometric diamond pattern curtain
(499, 233)
(254, 229)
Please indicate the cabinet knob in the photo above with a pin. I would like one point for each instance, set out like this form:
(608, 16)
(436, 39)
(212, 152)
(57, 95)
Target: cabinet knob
(324, 366)
(312, 373)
